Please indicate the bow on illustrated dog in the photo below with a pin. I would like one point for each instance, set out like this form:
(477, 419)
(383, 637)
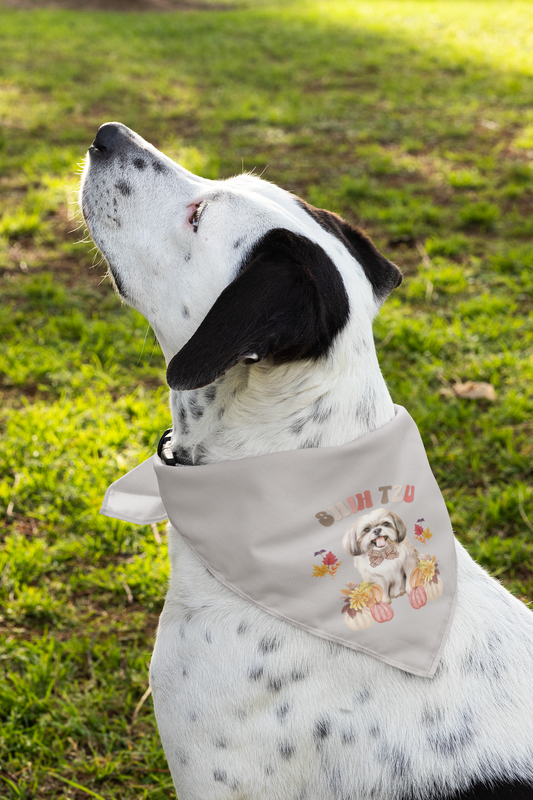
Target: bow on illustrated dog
(263, 307)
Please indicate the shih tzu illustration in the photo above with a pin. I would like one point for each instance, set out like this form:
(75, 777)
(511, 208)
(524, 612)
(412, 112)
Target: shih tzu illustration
(382, 553)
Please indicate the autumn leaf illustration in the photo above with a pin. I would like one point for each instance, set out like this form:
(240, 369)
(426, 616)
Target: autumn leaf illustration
(329, 559)
(419, 530)
(319, 570)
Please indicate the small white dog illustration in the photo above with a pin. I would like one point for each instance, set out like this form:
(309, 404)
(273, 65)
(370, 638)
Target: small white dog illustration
(381, 551)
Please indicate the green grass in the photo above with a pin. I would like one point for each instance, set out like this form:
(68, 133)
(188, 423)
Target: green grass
(412, 119)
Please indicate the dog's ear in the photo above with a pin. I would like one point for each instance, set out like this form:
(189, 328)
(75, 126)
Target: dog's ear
(350, 543)
(287, 302)
(383, 275)
(400, 526)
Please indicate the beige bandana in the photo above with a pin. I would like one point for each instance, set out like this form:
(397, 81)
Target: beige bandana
(351, 543)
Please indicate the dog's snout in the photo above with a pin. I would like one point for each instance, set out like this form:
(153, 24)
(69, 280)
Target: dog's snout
(109, 137)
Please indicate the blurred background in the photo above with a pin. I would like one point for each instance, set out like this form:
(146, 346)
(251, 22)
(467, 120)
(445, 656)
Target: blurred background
(414, 120)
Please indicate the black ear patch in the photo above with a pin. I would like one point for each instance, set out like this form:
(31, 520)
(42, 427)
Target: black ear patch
(383, 275)
(287, 302)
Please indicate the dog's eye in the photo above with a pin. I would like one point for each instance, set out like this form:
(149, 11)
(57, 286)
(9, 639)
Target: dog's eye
(195, 219)
(386, 523)
(367, 529)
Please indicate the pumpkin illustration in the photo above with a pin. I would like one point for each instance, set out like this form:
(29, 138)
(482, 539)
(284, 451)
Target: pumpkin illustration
(416, 578)
(434, 590)
(375, 595)
(382, 612)
(363, 619)
(418, 597)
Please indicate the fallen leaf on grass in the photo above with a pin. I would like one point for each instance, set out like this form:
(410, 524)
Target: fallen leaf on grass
(472, 390)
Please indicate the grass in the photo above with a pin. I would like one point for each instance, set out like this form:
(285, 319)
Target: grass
(412, 119)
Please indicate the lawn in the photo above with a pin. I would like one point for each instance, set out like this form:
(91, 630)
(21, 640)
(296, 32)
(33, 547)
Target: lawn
(412, 119)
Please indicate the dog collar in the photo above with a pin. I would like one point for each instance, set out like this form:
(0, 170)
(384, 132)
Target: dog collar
(298, 533)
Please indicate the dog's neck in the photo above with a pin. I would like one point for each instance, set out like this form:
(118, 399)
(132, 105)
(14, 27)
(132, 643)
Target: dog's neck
(259, 409)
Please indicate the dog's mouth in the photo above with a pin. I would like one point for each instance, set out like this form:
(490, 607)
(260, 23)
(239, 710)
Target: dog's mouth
(381, 541)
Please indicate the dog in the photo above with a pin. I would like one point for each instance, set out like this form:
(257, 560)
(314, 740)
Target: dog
(382, 553)
(263, 306)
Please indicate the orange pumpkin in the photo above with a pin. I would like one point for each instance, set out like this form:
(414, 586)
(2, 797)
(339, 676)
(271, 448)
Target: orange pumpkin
(418, 597)
(416, 578)
(382, 612)
(375, 595)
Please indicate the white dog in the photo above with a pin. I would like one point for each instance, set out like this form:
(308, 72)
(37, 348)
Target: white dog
(267, 304)
(382, 553)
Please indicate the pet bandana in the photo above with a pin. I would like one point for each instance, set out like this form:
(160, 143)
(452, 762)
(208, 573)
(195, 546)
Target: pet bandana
(352, 543)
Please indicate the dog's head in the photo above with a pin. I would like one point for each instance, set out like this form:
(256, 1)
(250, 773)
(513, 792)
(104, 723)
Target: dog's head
(226, 272)
(374, 530)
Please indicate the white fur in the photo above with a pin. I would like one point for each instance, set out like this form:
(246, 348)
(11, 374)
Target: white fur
(249, 707)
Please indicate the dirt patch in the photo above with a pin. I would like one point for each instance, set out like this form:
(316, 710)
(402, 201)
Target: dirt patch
(119, 5)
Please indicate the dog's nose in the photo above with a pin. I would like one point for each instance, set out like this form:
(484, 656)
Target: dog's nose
(109, 137)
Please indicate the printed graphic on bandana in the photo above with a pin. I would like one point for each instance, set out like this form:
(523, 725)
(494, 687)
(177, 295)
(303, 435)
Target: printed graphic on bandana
(389, 564)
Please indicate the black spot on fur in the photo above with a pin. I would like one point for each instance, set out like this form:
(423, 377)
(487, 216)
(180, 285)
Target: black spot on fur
(348, 736)
(182, 417)
(298, 426)
(185, 312)
(193, 716)
(237, 243)
(282, 712)
(210, 394)
(432, 717)
(124, 187)
(319, 413)
(269, 644)
(288, 302)
(180, 456)
(243, 627)
(321, 730)
(221, 412)
(363, 695)
(159, 167)
(255, 673)
(374, 730)
(449, 744)
(286, 749)
(269, 770)
(383, 275)
(220, 775)
(139, 163)
(187, 257)
(185, 672)
(394, 757)
(195, 408)
(298, 675)
(275, 684)
(208, 637)
(221, 743)
(311, 443)
(182, 757)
